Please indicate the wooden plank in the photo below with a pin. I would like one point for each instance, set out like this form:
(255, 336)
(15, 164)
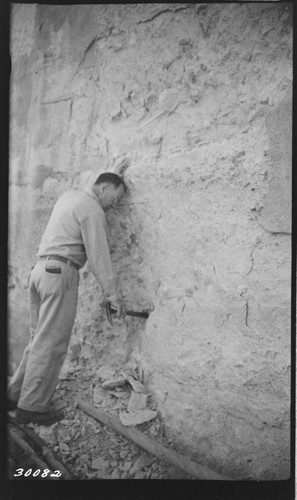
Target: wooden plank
(49, 456)
(30, 452)
(192, 468)
(47, 453)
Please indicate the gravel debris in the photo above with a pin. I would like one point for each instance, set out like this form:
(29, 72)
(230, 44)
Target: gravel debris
(93, 451)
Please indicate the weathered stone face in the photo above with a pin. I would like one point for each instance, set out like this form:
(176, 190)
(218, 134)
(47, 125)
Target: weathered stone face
(199, 98)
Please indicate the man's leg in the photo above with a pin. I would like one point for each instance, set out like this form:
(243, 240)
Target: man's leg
(58, 301)
(16, 381)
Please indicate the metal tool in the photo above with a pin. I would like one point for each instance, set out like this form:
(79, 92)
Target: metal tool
(110, 311)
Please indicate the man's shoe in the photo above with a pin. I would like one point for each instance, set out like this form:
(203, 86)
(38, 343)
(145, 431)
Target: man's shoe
(11, 405)
(34, 417)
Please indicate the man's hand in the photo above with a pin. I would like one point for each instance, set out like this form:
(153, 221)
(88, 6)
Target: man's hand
(120, 308)
(121, 164)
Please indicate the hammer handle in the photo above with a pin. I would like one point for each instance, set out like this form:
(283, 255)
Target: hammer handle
(139, 314)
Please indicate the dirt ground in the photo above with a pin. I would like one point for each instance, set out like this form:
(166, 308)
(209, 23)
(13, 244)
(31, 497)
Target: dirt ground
(88, 448)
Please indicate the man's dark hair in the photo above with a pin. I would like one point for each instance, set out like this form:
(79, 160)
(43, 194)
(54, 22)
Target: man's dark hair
(111, 178)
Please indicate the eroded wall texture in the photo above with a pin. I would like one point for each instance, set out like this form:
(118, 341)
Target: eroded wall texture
(198, 98)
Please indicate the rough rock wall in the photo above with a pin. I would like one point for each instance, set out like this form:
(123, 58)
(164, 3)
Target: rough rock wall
(199, 97)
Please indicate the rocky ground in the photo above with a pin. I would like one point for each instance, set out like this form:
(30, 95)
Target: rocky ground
(90, 449)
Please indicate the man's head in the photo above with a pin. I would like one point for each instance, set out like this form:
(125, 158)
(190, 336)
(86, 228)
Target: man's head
(110, 189)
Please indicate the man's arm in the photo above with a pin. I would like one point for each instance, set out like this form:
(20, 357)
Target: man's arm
(97, 250)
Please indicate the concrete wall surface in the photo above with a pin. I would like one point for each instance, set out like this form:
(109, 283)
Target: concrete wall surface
(198, 98)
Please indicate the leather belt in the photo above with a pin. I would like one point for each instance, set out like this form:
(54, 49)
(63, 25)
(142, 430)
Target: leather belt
(61, 259)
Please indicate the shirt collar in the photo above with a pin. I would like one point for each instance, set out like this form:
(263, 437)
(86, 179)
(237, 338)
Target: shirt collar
(88, 190)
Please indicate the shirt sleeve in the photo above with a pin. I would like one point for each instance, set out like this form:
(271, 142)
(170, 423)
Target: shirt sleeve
(94, 235)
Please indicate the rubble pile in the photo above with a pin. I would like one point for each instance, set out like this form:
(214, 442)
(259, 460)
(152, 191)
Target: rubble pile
(90, 449)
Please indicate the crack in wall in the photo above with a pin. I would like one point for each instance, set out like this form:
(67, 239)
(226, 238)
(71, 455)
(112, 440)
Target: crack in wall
(247, 313)
(159, 150)
(164, 113)
(246, 308)
(258, 241)
(90, 46)
(70, 110)
(107, 148)
(56, 101)
(225, 319)
(277, 232)
(165, 11)
(106, 34)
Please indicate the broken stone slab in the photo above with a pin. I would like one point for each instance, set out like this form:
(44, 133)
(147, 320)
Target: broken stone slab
(68, 371)
(136, 385)
(154, 430)
(115, 475)
(127, 466)
(66, 375)
(102, 475)
(47, 434)
(119, 406)
(120, 394)
(137, 417)
(63, 446)
(123, 453)
(137, 401)
(114, 454)
(105, 372)
(113, 383)
(99, 464)
(74, 353)
(65, 421)
(63, 434)
(131, 368)
(98, 395)
(60, 405)
(141, 462)
(93, 441)
(106, 403)
(91, 475)
(140, 475)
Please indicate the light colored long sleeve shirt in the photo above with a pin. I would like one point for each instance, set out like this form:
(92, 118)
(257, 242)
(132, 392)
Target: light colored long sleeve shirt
(78, 230)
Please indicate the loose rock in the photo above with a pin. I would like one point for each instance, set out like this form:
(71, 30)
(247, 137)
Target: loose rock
(100, 464)
(137, 417)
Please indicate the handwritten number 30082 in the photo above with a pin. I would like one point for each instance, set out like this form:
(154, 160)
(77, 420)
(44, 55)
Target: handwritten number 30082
(44, 473)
